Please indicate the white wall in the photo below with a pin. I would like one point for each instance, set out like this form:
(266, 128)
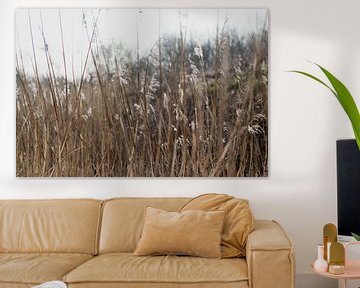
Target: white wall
(305, 121)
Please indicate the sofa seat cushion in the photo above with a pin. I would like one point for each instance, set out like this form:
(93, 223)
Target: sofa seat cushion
(15, 285)
(242, 284)
(36, 268)
(125, 267)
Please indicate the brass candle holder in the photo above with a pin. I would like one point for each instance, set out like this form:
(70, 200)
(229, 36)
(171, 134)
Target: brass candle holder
(329, 236)
(334, 252)
(337, 258)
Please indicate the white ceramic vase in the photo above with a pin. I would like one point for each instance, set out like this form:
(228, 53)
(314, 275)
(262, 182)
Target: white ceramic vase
(320, 264)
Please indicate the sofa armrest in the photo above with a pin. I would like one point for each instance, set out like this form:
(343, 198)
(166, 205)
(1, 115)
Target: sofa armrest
(269, 256)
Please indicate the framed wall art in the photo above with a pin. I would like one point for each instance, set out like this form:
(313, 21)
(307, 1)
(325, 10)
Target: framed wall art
(142, 92)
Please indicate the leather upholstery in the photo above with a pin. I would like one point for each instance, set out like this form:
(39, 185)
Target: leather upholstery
(269, 256)
(123, 218)
(64, 226)
(73, 226)
(36, 268)
(15, 285)
(242, 284)
(239, 220)
(125, 268)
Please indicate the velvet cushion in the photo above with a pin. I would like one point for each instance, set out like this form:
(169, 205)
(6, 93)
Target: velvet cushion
(238, 223)
(193, 232)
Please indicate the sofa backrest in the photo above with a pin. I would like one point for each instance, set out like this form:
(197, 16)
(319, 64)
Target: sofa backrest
(123, 220)
(67, 226)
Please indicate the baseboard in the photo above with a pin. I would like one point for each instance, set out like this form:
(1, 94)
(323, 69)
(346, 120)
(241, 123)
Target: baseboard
(310, 280)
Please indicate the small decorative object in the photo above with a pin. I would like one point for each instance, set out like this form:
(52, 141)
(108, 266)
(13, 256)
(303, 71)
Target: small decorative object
(336, 269)
(320, 264)
(51, 284)
(337, 258)
(330, 236)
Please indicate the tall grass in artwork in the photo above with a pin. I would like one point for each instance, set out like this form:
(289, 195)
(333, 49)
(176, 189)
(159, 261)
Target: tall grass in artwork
(185, 109)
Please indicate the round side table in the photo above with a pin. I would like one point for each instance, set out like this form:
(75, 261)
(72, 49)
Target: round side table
(352, 269)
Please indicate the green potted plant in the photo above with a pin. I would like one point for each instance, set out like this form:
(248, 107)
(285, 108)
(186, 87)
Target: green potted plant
(345, 99)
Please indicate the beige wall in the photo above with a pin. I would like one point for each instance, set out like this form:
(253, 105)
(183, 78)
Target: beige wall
(305, 121)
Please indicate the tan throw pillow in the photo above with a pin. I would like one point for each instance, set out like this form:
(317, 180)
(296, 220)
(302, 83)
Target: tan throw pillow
(196, 233)
(239, 220)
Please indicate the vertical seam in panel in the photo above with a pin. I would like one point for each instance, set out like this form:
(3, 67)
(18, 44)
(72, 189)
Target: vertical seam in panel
(98, 228)
(22, 226)
(251, 272)
(250, 266)
(292, 263)
(291, 255)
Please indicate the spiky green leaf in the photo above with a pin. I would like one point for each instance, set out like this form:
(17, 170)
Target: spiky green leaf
(314, 78)
(344, 97)
(356, 236)
(346, 100)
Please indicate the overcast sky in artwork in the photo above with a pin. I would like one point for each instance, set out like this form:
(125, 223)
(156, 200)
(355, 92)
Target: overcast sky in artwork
(118, 26)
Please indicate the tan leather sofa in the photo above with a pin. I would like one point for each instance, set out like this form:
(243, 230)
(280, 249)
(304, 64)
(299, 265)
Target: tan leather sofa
(89, 243)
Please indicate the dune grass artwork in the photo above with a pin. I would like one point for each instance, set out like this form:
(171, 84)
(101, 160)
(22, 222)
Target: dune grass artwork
(141, 92)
